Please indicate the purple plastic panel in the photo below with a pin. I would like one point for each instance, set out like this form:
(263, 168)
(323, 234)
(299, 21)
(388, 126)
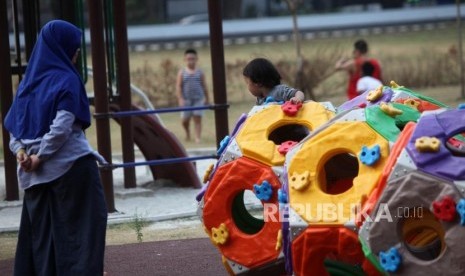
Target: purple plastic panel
(442, 126)
(200, 195)
(287, 249)
(205, 187)
(239, 123)
(361, 100)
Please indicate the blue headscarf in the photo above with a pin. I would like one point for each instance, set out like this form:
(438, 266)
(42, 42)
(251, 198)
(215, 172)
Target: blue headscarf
(51, 83)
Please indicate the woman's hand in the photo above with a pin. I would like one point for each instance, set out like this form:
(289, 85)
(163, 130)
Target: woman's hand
(33, 164)
(21, 155)
(23, 159)
(28, 163)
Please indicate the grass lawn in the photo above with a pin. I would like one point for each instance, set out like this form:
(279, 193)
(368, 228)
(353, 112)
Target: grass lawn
(389, 48)
(392, 49)
(446, 94)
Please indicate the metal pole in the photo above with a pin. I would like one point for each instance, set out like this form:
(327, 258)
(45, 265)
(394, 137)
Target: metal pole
(101, 96)
(459, 31)
(6, 98)
(31, 27)
(121, 114)
(124, 89)
(219, 79)
(17, 41)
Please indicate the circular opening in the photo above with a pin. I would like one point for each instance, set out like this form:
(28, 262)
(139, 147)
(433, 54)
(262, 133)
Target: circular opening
(247, 212)
(292, 132)
(339, 173)
(422, 234)
(456, 144)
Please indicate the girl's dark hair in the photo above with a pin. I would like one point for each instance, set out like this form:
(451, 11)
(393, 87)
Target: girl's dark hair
(262, 71)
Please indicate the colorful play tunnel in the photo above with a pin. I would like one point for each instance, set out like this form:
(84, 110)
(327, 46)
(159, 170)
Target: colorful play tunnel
(224, 209)
(423, 206)
(374, 187)
(251, 162)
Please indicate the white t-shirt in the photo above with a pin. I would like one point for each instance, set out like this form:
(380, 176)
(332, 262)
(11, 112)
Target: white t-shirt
(367, 83)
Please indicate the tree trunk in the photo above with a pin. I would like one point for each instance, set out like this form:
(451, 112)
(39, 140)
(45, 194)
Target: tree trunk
(299, 78)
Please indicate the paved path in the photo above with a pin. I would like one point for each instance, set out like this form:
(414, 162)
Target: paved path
(162, 201)
(151, 201)
(158, 201)
(177, 257)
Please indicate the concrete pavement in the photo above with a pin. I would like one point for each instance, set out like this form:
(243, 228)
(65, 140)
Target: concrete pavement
(151, 201)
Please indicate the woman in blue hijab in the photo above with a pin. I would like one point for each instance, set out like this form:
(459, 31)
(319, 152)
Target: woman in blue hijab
(64, 216)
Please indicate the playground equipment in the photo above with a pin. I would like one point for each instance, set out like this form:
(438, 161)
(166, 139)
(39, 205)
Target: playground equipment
(109, 49)
(424, 196)
(149, 131)
(395, 94)
(252, 159)
(331, 173)
(323, 195)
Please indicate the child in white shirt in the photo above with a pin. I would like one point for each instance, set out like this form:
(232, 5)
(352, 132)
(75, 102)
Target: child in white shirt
(367, 82)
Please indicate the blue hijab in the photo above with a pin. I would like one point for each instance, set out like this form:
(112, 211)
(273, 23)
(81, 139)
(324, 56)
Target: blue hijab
(51, 83)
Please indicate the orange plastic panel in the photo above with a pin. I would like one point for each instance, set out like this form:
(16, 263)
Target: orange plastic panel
(229, 180)
(314, 245)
